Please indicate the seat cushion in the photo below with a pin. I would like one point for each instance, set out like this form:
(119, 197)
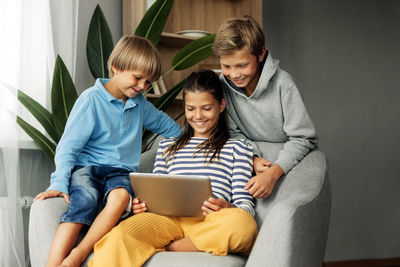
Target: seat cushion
(194, 259)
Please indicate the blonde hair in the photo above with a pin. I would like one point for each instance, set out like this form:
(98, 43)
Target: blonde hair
(237, 33)
(135, 53)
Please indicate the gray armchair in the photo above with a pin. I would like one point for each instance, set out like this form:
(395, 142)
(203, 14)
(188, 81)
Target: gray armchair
(293, 221)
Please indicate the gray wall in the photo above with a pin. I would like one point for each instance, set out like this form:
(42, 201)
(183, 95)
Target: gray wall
(344, 56)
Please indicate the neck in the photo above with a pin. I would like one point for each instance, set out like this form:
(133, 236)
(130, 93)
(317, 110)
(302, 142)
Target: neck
(249, 90)
(113, 90)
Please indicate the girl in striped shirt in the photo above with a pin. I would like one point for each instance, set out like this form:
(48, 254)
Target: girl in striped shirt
(203, 148)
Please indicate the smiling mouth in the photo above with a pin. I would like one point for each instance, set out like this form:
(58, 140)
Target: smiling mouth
(136, 91)
(239, 81)
(200, 123)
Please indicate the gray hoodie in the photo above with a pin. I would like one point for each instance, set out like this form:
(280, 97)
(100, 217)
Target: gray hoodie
(275, 113)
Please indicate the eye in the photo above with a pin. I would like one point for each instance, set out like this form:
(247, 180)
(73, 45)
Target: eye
(189, 108)
(243, 66)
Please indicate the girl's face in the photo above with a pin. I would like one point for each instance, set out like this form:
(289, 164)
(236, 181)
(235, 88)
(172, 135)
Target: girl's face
(202, 112)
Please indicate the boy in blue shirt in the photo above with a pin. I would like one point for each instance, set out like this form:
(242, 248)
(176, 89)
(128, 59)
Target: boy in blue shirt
(101, 144)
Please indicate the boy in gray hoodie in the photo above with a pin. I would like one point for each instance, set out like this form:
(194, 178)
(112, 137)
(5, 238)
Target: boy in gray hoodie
(262, 102)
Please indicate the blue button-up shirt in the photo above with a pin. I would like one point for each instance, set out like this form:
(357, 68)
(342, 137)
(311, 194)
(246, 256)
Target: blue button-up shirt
(103, 131)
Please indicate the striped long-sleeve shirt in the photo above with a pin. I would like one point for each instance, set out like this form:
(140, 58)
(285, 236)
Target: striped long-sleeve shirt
(228, 175)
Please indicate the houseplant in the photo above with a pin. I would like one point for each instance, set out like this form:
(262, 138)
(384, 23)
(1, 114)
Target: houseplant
(98, 47)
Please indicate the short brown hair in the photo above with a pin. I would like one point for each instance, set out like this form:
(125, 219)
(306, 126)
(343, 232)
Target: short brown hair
(135, 53)
(237, 33)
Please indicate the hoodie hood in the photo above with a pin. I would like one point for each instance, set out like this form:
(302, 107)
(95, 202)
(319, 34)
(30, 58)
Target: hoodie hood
(269, 67)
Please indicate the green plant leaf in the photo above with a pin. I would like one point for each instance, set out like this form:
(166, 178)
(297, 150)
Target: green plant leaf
(153, 21)
(99, 44)
(193, 53)
(147, 143)
(63, 96)
(163, 102)
(40, 113)
(42, 141)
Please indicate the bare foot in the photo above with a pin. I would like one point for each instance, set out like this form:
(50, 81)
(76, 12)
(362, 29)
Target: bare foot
(74, 259)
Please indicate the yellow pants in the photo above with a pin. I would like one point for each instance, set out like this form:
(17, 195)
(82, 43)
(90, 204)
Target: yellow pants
(135, 240)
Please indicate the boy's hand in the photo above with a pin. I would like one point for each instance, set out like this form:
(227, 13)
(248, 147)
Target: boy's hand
(51, 193)
(260, 164)
(214, 204)
(261, 185)
(137, 206)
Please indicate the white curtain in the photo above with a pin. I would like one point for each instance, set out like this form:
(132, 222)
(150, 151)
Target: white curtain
(32, 33)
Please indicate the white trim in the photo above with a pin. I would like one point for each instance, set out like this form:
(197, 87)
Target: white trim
(22, 144)
(28, 144)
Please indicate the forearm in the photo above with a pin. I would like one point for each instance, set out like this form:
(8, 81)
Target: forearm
(298, 128)
(276, 172)
(60, 178)
(66, 155)
(159, 122)
(242, 199)
(247, 206)
(294, 151)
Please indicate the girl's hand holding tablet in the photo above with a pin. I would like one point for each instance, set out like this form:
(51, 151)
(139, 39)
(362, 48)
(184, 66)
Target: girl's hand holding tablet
(215, 204)
(137, 206)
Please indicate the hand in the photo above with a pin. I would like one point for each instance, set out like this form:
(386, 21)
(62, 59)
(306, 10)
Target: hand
(261, 185)
(214, 204)
(137, 206)
(51, 193)
(260, 164)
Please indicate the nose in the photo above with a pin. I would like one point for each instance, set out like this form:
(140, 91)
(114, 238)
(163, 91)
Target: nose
(143, 85)
(198, 114)
(235, 73)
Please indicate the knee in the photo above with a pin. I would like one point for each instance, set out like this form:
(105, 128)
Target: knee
(243, 231)
(85, 199)
(118, 197)
(242, 224)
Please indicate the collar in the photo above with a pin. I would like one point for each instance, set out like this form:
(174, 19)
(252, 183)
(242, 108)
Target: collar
(130, 102)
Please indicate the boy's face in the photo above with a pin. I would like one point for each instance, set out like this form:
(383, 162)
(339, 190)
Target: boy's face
(129, 83)
(241, 67)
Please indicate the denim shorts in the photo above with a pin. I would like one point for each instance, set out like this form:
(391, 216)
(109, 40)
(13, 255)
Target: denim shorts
(88, 191)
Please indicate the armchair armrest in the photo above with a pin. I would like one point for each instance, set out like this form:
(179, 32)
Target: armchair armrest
(147, 158)
(294, 219)
(43, 223)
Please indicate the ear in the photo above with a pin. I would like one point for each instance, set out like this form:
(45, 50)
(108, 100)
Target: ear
(222, 105)
(261, 56)
(114, 69)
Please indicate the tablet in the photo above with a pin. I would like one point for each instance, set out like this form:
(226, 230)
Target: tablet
(172, 195)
